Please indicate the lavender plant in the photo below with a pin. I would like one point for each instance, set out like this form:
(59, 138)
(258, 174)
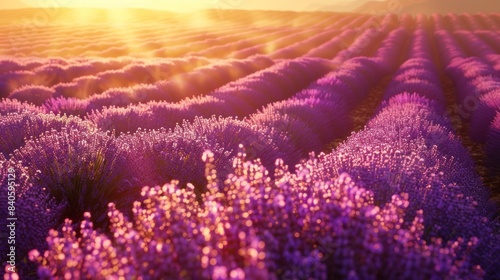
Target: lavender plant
(82, 169)
(20, 128)
(258, 228)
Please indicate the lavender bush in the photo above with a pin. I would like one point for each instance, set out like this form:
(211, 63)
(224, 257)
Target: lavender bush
(313, 232)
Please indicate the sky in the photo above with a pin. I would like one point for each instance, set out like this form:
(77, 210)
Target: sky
(183, 5)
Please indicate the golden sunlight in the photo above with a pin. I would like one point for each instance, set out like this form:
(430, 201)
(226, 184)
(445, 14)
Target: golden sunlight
(173, 5)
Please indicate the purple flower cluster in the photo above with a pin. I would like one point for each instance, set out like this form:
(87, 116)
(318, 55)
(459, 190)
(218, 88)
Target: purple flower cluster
(493, 145)
(473, 44)
(482, 118)
(252, 227)
(478, 91)
(224, 49)
(199, 81)
(50, 73)
(447, 46)
(332, 47)
(278, 83)
(154, 157)
(129, 75)
(420, 45)
(436, 22)
(19, 128)
(393, 48)
(82, 169)
(288, 37)
(370, 39)
(158, 156)
(490, 36)
(200, 168)
(8, 106)
(317, 115)
(11, 65)
(301, 47)
(417, 76)
(410, 147)
(36, 211)
(237, 98)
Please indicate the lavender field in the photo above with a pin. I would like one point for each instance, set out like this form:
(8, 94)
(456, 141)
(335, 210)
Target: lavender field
(231, 144)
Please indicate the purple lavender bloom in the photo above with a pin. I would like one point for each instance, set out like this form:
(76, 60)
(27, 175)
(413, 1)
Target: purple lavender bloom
(483, 116)
(415, 98)
(82, 169)
(473, 45)
(258, 228)
(329, 49)
(490, 36)
(159, 156)
(390, 50)
(208, 106)
(448, 47)
(327, 120)
(294, 135)
(8, 106)
(367, 41)
(14, 80)
(301, 47)
(69, 106)
(19, 128)
(153, 115)
(11, 65)
(418, 86)
(33, 206)
(240, 97)
(33, 94)
(240, 101)
(493, 145)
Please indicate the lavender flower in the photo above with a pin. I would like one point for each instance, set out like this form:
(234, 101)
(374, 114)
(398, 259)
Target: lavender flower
(492, 145)
(19, 128)
(82, 169)
(34, 206)
(160, 156)
(329, 49)
(8, 106)
(33, 94)
(258, 228)
(483, 116)
(69, 106)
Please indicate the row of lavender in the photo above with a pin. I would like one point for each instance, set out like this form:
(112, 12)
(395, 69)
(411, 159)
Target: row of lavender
(153, 157)
(54, 80)
(223, 40)
(425, 209)
(145, 83)
(474, 68)
(85, 86)
(63, 199)
(58, 83)
(60, 78)
(453, 22)
(81, 80)
(410, 147)
(238, 98)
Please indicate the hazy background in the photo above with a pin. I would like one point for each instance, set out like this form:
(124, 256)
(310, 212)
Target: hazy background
(360, 6)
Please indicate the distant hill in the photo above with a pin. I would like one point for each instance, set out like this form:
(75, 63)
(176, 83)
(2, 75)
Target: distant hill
(432, 6)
